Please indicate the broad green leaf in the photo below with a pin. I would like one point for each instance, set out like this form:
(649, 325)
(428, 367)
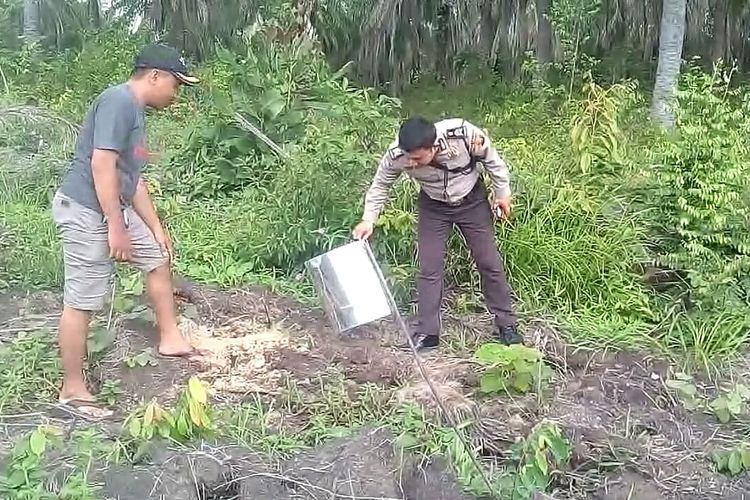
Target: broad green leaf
(164, 430)
(243, 144)
(123, 304)
(734, 404)
(682, 386)
(182, 425)
(541, 461)
(134, 427)
(742, 391)
(137, 288)
(533, 478)
(723, 415)
(144, 359)
(148, 416)
(491, 353)
(16, 479)
(407, 441)
(560, 449)
(720, 459)
(735, 463)
(491, 382)
(745, 455)
(272, 103)
(522, 382)
(99, 340)
(527, 353)
(37, 442)
(141, 451)
(197, 391)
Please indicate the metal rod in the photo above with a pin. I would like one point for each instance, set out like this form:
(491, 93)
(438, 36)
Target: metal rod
(423, 372)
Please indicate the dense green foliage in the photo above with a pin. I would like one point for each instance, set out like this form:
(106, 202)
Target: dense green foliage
(619, 231)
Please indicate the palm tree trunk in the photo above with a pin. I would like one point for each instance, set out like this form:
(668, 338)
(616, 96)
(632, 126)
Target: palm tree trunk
(671, 38)
(719, 40)
(544, 32)
(94, 8)
(31, 15)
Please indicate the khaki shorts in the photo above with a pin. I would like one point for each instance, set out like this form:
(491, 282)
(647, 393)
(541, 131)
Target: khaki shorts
(89, 270)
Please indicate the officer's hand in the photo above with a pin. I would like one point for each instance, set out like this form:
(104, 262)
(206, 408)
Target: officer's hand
(502, 208)
(363, 230)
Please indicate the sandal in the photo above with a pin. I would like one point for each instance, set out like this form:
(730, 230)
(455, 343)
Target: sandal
(85, 409)
(185, 354)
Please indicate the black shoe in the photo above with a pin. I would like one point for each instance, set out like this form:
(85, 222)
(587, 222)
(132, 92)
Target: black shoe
(508, 335)
(424, 342)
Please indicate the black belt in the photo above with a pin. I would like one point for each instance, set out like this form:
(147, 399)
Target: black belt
(456, 203)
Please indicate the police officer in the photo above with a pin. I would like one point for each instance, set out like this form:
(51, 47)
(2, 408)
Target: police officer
(442, 157)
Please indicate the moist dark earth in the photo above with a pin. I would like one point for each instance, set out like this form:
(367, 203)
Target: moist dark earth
(631, 438)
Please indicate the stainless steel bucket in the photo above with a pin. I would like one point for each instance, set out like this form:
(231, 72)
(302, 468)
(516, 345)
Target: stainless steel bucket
(351, 286)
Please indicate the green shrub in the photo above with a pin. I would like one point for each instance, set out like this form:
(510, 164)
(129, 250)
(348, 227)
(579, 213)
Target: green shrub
(697, 193)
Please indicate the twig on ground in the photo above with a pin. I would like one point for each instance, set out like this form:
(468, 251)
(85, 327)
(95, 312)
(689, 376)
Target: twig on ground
(306, 484)
(21, 415)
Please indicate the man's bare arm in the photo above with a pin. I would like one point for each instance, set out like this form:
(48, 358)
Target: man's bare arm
(144, 206)
(107, 185)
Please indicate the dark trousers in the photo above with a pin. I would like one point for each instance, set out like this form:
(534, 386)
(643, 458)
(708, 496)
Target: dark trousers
(474, 219)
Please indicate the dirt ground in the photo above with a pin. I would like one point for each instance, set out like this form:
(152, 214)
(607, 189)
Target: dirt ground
(631, 438)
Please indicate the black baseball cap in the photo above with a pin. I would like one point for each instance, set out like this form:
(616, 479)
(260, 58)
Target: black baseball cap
(165, 58)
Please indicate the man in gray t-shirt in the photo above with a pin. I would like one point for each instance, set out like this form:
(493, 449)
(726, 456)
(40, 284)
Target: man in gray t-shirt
(115, 122)
(103, 211)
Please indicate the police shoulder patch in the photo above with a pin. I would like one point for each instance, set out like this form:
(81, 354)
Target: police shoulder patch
(395, 153)
(456, 132)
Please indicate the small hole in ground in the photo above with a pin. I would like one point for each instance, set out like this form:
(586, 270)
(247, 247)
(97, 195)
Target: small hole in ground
(227, 488)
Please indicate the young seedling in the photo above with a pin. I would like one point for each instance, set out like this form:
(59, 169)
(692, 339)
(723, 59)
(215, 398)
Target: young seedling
(686, 390)
(733, 461)
(731, 404)
(514, 367)
(24, 476)
(144, 358)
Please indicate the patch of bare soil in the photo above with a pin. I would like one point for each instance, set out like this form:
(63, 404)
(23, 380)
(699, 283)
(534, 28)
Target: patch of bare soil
(258, 339)
(363, 466)
(631, 439)
(627, 431)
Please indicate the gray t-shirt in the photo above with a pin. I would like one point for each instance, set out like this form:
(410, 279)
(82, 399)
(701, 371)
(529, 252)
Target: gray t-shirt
(116, 122)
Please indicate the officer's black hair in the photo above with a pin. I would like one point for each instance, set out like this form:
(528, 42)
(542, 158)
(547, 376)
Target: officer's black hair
(415, 133)
(137, 73)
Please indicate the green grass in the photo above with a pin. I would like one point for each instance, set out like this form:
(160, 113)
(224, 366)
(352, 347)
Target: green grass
(31, 252)
(31, 369)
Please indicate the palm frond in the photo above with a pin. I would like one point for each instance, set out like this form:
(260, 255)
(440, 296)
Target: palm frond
(39, 120)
